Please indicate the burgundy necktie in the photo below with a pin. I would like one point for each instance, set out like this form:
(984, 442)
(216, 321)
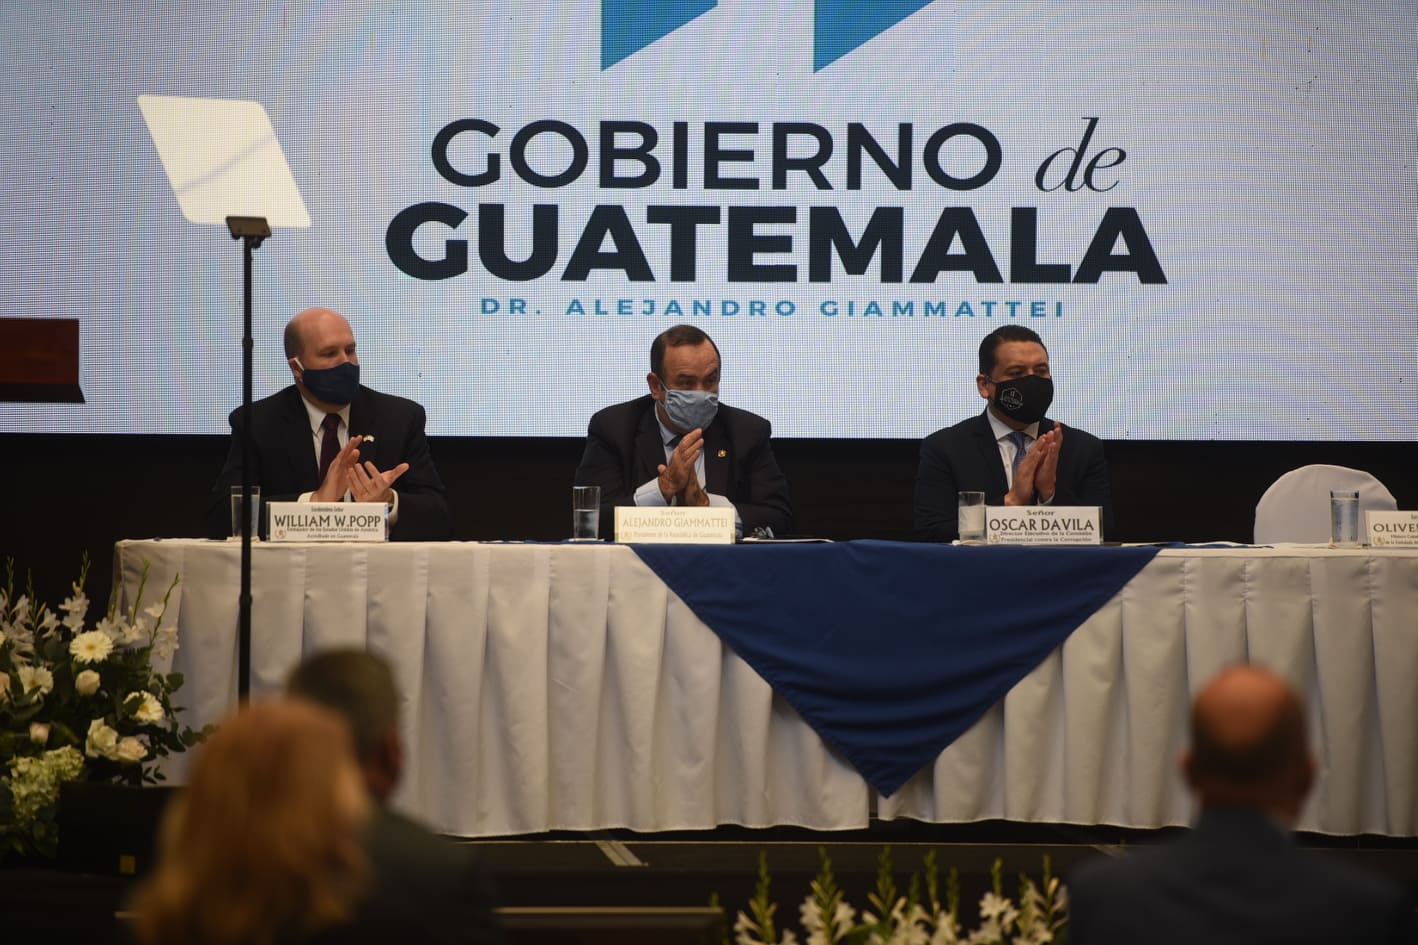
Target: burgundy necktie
(329, 443)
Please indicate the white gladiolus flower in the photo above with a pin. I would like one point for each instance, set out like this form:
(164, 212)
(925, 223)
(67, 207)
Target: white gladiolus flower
(166, 642)
(36, 677)
(134, 632)
(130, 751)
(39, 732)
(102, 741)
(91, 647)
(87, 682)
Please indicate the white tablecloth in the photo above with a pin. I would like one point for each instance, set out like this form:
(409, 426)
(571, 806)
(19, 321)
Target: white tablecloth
(564, 687)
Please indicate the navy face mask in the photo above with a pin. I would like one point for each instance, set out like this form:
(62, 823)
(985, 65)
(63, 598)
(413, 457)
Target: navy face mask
(336, 385)
(1025, 399)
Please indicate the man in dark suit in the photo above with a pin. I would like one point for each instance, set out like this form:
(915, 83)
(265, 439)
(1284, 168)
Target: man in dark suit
(327, 438)
(425, 888)
(1238, 876)
(679, 446)
(1010, 452)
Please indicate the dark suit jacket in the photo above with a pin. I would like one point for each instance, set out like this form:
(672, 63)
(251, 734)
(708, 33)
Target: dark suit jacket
(425, 889)
(624, 451)
(284, 464)
(1235, 878)
(966, 458)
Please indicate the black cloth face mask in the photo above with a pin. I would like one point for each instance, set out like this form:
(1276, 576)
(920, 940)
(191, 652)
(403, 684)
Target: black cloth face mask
(1025, 399)
(336, 385)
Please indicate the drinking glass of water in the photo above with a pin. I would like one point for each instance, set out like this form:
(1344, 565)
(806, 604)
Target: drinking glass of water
(585, 513)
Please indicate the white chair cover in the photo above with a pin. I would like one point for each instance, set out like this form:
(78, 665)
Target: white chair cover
(1296, 506)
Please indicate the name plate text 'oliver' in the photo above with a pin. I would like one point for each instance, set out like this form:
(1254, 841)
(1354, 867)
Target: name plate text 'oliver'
(674, 525)
(1043, 525)
(1388, 529)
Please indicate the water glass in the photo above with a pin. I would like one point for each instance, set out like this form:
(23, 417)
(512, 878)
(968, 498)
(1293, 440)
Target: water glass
(585, 513)
(972, 516)
(236, 511)
(1343, 518)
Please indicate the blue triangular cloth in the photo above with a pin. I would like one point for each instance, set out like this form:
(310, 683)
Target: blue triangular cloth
(891, 650)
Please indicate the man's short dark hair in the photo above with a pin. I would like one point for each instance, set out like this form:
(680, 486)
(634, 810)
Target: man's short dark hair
(999, 336)
(674, 338)
(354, 684)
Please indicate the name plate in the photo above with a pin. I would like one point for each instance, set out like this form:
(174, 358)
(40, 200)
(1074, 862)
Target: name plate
(328, 521)
(1043, 525)
(674, 525)
(1392, 529)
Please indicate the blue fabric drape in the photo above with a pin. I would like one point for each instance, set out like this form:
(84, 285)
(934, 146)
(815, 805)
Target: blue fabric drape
(891, 650)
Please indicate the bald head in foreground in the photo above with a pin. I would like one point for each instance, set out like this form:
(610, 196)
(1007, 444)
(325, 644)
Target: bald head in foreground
(1238, 876)
(328, 438)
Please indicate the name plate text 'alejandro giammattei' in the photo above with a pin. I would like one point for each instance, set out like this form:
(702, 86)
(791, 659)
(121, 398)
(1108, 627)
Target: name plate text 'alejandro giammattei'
(674, 525)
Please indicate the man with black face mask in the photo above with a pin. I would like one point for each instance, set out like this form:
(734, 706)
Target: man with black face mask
(678, 445)
(1010, 452)
(327, 438)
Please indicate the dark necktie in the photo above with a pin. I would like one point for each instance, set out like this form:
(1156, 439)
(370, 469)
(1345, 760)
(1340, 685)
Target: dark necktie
(329, 442)
(1020, 440)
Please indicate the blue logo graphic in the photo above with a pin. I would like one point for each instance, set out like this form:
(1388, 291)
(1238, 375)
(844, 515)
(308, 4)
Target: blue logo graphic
(839, 26)
(628, 26)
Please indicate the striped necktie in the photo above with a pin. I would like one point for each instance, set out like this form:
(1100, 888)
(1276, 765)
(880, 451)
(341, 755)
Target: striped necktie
(1020, 440)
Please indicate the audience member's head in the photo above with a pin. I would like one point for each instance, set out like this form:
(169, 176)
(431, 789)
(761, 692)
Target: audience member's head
(359, 687)
(1248, 744)
(264, 845)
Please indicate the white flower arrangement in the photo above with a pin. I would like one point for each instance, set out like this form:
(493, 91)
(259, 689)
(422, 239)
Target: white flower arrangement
(78, 704)
(1038, 917)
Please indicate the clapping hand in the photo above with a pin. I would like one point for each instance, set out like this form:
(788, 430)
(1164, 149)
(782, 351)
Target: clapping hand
(1038, 471)
(1046, 474)
(678, 474)
(363, 481)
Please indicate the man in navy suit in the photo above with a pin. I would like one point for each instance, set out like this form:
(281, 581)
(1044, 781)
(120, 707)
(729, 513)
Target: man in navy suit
(327, 438)
(1010, 452)
(1238, 876)
(678, 445)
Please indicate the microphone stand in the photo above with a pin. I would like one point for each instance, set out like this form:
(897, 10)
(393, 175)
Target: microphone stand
(251, 231)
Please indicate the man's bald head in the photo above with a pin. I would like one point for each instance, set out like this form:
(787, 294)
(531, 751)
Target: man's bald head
(1248, 743)
(309, 328)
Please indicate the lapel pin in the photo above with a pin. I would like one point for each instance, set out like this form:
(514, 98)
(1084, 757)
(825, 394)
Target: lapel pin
(723, 453)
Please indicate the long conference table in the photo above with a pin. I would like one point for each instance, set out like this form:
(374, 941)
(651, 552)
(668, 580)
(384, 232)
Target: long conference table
(569, 686)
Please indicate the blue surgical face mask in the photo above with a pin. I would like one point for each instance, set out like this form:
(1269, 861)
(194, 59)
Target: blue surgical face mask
(691, 409)
(336, 385)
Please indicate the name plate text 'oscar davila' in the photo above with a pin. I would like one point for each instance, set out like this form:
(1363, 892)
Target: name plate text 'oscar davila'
(1043, 525)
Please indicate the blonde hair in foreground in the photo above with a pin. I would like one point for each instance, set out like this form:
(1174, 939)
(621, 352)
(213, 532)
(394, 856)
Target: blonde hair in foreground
(264, 844)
